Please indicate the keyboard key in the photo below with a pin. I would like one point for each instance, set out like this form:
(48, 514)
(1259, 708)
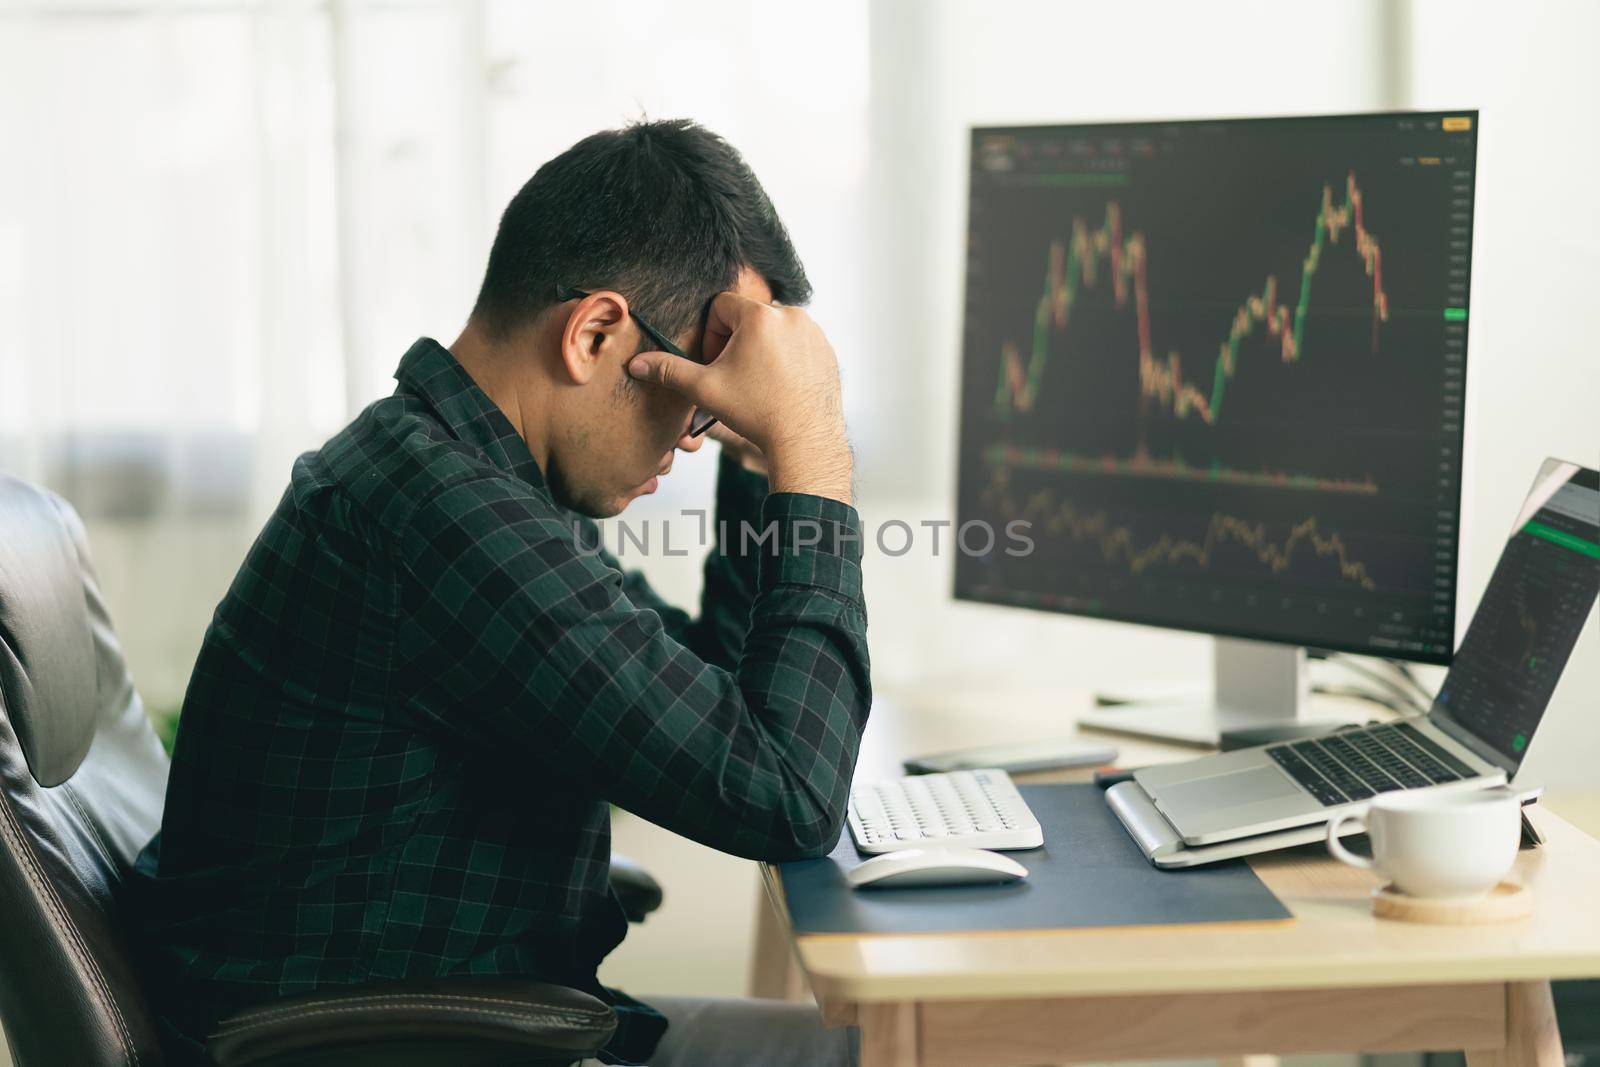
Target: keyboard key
(1375, 778)
(1284, 755)
(1301, 771)
(1411, 778)
(1423, 768)
(1372, 749)
(1326, 794)
(1337, 773)
(1431, 768)
(1437, 751)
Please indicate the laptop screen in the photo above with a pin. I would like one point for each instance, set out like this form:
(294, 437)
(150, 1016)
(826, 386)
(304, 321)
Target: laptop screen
(1530, 616)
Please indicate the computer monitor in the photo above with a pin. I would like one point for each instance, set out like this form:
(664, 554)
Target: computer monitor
(1218, 368)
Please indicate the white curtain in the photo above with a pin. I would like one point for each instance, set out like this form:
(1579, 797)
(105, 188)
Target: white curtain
(223, 221)
(165, 275)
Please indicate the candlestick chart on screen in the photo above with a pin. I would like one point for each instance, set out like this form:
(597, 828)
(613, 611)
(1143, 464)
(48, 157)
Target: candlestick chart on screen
(1221, 364)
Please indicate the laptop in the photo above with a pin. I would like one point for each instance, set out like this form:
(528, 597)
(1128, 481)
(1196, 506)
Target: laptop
(1473, 737)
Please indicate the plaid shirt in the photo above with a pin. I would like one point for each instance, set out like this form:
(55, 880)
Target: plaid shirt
(415, 702)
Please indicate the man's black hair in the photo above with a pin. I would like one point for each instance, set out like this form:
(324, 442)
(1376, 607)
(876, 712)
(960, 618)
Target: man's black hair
(665, 213)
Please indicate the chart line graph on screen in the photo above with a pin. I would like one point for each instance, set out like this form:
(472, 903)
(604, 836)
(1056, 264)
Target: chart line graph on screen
(1113, 253)
(1120, 544)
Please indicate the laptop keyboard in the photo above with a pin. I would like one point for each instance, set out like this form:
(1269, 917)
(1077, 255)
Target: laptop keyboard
(1358, 764)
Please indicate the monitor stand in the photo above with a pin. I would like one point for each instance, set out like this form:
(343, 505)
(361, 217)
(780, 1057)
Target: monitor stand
(1257, 684)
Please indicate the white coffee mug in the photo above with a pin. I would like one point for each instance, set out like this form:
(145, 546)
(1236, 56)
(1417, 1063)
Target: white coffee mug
(1455, 845)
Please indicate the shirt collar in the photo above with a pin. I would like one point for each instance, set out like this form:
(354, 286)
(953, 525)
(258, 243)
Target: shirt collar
(430, 372)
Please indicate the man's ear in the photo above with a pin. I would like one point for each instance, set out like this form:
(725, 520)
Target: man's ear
(597, 326)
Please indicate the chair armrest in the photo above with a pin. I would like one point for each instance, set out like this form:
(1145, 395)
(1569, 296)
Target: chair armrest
(461, 1021)
(639, 893)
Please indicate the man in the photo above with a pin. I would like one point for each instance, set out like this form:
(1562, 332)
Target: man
(424, 688)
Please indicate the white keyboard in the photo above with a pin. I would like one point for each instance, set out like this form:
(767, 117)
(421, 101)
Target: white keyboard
(975, 809)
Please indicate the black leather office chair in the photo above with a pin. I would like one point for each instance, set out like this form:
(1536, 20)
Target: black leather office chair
(82, 777)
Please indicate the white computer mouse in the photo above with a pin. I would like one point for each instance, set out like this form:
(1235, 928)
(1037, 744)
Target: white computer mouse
(935, 866)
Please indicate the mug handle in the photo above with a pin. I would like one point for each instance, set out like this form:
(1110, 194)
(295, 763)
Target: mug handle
(1336, 847)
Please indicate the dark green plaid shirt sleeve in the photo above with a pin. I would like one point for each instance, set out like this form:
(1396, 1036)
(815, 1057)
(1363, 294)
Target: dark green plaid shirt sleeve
(717, 634)
(516, 636)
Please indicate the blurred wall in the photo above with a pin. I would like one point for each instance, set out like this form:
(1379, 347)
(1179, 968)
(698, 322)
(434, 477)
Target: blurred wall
(1533, 372)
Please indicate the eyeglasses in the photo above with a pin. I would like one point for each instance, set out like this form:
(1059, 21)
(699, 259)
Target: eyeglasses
(700, 421)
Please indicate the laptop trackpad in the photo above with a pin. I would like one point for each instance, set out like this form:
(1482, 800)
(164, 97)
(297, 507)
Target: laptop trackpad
(1229, 790)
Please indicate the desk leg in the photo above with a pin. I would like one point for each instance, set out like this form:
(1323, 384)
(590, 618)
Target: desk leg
(889, 1036)
(774, 975)
(1532, 1039)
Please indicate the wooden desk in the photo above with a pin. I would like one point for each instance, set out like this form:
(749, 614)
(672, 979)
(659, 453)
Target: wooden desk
(1337, 979)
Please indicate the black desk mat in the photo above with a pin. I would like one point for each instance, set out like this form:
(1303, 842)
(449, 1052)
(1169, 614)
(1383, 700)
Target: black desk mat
(1088, 873)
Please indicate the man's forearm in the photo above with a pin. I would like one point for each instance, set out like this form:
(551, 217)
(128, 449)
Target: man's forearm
(731, 567)
(819, 465)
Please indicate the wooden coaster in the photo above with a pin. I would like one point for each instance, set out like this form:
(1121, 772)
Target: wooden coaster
(1504, 903)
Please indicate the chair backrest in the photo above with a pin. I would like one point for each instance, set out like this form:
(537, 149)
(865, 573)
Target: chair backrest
(82, 779)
